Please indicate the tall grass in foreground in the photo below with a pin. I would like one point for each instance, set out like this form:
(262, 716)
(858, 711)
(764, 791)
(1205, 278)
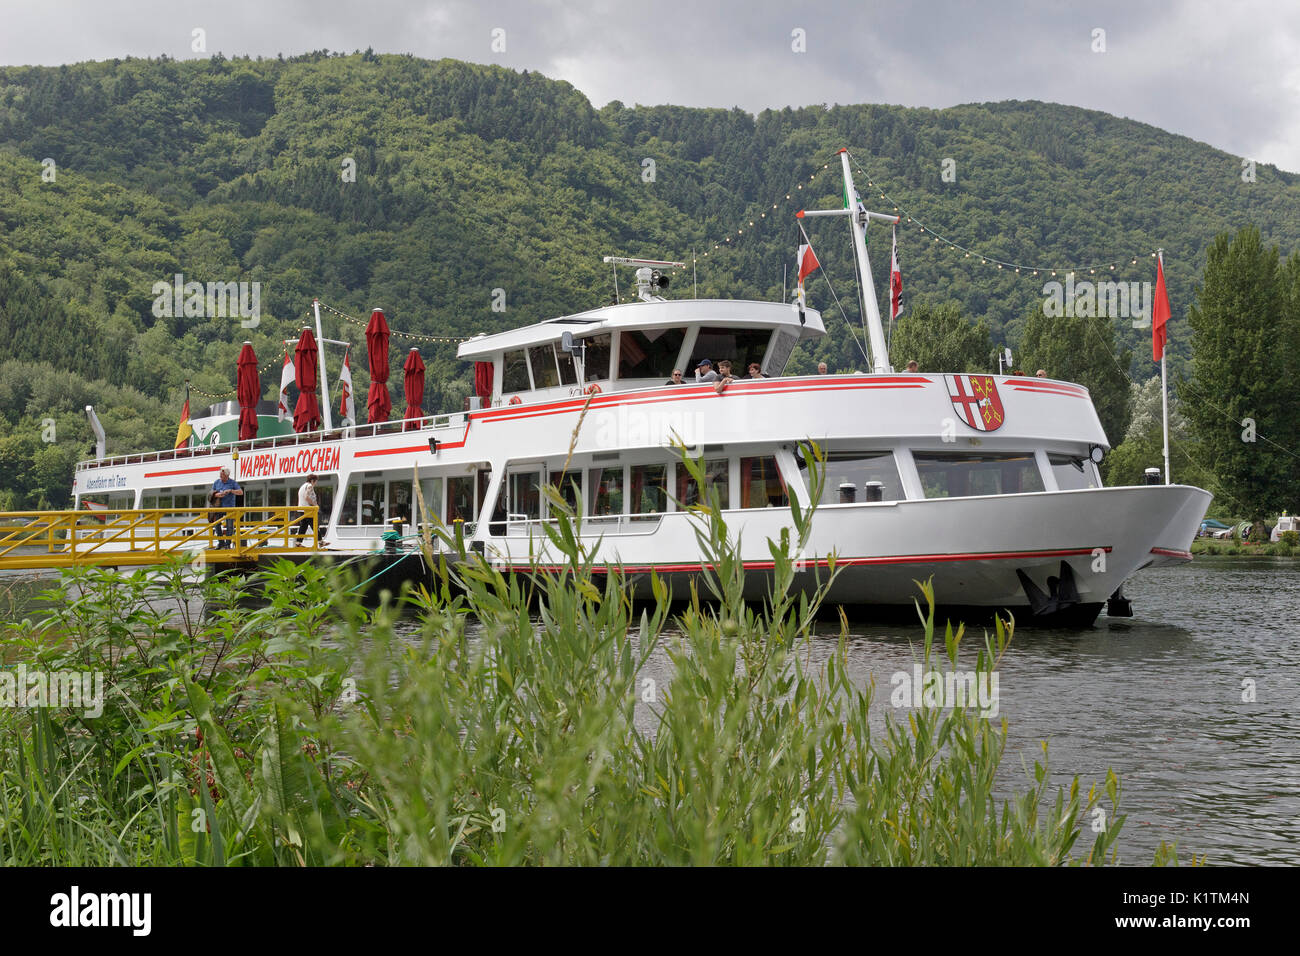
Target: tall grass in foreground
(307, 730)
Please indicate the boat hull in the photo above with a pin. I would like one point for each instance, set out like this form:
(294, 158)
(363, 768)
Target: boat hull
(982, 555)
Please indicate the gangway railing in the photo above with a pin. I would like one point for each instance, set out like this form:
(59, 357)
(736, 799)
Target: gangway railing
(140, 536)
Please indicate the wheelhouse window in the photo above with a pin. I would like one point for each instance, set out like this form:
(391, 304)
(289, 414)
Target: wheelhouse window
(514, 378)
(649, 353)
(568, 371)
(597, 356)
(761, 484)
(717, 473)
(961, 475)
(545, 372)
(741, 346)
(847, 473)
(1072, 473)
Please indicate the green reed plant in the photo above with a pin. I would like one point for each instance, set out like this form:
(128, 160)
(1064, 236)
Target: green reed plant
(494, 718)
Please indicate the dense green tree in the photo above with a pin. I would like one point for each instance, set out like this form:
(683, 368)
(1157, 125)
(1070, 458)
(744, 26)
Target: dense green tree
(462, 178)
(1241, 399)
(940, 338)
(1080, 350)
(1143, 444)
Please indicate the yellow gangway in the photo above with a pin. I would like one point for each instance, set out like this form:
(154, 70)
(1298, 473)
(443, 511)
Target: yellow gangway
(59, 539)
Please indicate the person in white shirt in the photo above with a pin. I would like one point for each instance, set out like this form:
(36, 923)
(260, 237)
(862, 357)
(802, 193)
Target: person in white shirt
(306, 499)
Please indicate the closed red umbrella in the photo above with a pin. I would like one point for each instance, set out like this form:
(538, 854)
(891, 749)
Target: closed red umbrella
(306, 414)
(248, 389)
(378, 404)
(414, 382)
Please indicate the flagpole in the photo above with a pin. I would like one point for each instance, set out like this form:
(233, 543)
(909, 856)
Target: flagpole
(324, 385)
(1164, 383)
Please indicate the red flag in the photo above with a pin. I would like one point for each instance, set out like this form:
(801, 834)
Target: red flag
(895, 282)
(1159, 313)
(806, 262)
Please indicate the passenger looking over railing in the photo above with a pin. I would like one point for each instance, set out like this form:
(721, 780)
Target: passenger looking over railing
(725, 377)
(1042, 373)
(755, 370)
(225, 492)
(821, 369)
(676, 379)
(704, 372)
(912, 366)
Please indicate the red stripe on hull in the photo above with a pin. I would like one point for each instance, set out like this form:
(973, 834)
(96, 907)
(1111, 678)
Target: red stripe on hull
(181, 471)
(848, 562)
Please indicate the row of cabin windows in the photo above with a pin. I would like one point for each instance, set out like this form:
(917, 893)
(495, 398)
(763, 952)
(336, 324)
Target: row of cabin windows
(947, 474)
(256, 495)
(643, 354)
(645, 490)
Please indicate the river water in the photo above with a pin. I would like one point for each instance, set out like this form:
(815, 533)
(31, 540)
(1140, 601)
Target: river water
(1163, 699)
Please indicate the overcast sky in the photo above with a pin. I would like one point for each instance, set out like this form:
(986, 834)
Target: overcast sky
(1221, 71)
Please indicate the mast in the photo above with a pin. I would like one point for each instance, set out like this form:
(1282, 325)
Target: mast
(324, 385)
(858, 218)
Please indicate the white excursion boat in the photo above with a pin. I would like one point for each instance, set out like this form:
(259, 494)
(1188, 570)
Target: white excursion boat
(987, 484)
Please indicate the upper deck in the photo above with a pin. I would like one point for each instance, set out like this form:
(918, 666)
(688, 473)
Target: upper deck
(638, 345)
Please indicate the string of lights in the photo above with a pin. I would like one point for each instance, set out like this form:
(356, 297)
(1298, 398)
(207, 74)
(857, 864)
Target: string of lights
(754, 224)
(969, 253)
(443, 339)
(277, 362)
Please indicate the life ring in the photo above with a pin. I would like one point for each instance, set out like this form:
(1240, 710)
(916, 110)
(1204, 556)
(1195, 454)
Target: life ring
(592, 389)
(516, 400)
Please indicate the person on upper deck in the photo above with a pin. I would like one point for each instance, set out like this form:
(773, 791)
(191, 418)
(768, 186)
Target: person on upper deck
(912, 366)
(676, 379)
(704, 372)
(756, 370)
(724, 377)
(821, 369)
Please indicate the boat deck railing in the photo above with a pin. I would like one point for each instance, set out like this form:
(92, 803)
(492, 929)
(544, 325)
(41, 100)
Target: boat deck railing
(432, 422)
(144, 536)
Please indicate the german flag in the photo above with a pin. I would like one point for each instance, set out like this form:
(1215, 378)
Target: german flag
(184, 430)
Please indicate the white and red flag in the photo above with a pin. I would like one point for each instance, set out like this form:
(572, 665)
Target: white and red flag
(347, 404)
(284, 411)
(895, 282)
(806, 262)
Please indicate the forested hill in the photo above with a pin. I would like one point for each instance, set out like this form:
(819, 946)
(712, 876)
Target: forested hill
(474, 178)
